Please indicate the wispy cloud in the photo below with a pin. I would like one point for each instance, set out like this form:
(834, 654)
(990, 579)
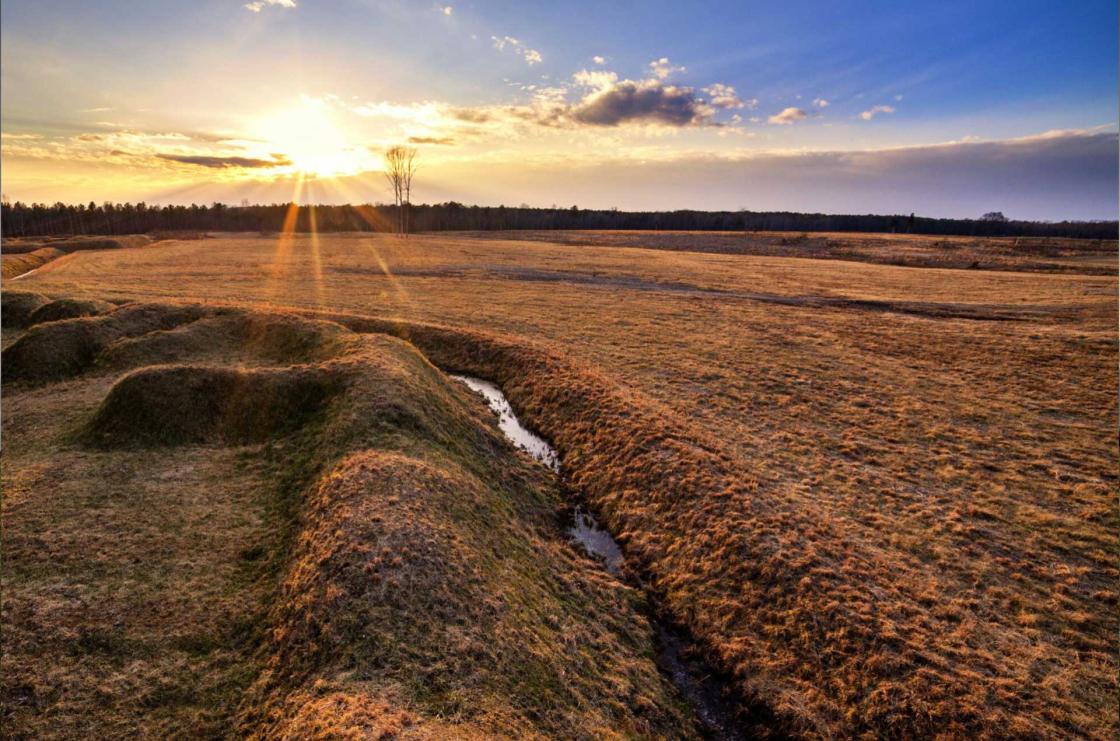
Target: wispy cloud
(599, 59)
(873, 111)
(531, 56)
(438, 140)
(217, 162)
(257, 5)
(447, 10)
(820, 102)
(788, 116)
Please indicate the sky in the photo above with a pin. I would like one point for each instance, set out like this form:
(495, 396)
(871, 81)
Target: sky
(946, 109)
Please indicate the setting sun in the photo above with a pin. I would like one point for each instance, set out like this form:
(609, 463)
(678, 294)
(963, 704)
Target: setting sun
(307, 136)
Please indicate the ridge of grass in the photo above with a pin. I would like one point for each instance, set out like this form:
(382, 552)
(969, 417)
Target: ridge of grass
(344, 546)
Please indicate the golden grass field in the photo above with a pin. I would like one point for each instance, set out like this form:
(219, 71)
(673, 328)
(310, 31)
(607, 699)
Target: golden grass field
(880, 498)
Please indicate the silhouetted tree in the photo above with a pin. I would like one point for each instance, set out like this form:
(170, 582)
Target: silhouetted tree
(400, 166)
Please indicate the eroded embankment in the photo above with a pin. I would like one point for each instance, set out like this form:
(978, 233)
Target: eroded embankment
(425, 587)
(22, 257)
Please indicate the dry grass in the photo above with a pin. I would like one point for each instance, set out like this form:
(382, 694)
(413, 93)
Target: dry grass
(354, 548)
(882, 497)
(22, 255)
(1035, 254)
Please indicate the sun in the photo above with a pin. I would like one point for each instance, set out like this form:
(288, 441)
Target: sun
(308, 136)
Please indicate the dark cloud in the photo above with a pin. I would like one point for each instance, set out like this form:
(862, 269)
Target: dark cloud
(647, 101)
(443, 140)
(220, 162)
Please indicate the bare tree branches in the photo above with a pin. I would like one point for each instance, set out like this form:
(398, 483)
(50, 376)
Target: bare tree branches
(400, 166)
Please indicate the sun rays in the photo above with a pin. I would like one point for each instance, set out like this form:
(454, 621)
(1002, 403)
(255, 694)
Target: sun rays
(297, 259)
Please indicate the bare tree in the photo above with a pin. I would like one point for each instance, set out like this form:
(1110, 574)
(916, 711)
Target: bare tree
(400, 166)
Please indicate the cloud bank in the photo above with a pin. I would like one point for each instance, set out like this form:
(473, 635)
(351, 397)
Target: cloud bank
(1056, 176)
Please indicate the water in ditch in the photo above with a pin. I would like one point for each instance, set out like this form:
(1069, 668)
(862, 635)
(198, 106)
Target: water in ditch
(697, 684)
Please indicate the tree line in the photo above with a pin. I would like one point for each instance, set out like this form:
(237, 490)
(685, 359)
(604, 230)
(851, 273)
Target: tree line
(37, 219)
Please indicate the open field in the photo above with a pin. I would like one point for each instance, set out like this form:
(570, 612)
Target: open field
(880, 498)
(1035, 254)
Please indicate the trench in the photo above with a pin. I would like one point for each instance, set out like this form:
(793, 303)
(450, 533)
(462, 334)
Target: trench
(700, 687)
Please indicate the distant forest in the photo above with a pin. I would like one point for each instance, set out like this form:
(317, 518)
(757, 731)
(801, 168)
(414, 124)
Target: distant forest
(19, 219)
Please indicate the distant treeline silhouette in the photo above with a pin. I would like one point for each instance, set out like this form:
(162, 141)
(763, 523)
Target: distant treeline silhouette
(19, 219)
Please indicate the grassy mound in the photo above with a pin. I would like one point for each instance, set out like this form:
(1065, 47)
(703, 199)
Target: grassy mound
(74, 244)
(406, 572)
(66, 348)
(258, 339)
(23, 245)
(68, 308)
(16, 307)
(168, 405)
(415, 581)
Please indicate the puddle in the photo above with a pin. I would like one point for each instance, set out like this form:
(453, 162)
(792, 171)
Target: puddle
(699, 687)
(596, 541)
(509, 424)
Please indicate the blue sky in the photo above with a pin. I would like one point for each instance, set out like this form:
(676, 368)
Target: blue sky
(157, 100)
